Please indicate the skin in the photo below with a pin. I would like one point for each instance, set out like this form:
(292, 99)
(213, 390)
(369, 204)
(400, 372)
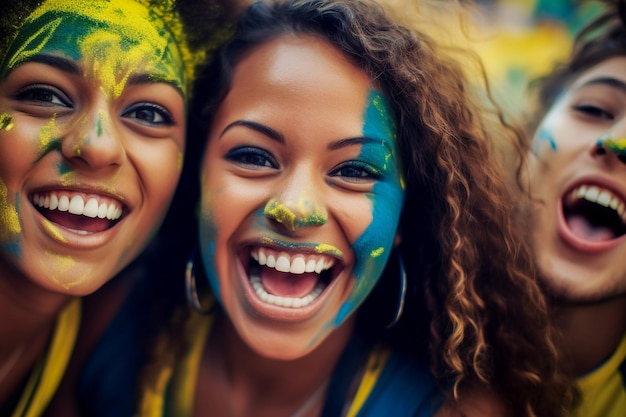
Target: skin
(583, 264)
(90, 111)
(92, 119)
(323, 183)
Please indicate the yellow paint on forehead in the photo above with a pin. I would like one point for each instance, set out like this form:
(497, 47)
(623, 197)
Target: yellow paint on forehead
(8, 215)
(377, 252)
(102, 49)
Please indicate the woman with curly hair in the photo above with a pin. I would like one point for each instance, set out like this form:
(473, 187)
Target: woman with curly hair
(355, 235)
(577, 173)
(93, 102)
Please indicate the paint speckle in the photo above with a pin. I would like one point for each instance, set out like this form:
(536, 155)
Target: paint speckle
(281, 213)
(6, 122)
(617, 146)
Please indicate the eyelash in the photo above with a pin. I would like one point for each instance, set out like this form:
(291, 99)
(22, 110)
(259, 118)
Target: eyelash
(28, 94)
(168, 120)
(365, 172)
(250, 156)
(593, 111)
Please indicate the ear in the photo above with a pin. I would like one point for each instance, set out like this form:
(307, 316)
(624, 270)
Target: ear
(397, 240)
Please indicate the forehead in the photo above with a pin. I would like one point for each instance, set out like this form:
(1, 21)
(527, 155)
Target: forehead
(612, 68)
(120, 31)
(305, 65)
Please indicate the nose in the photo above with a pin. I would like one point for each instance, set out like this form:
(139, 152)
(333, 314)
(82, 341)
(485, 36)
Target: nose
(94, 143)
(611, 147)
(296, 207)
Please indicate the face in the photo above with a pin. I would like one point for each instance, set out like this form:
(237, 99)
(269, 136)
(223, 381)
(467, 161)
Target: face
(91, 141)
(301, 194)
(579, 179)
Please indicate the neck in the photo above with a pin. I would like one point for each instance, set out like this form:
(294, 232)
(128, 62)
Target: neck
(257, 385)
(28, 316)
(591, 332)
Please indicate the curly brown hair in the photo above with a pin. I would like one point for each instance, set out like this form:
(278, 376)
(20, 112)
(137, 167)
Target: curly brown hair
(472, 293)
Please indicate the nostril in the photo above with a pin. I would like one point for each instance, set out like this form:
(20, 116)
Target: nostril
(622, 158)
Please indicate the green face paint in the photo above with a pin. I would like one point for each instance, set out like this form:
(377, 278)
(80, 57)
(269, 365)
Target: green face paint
(113, 40)
(6, 122)
(617, 146)
(282, 214)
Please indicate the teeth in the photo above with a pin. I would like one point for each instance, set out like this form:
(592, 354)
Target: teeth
(284, 301)
(78, 205)
(605, 198)
(296, 264)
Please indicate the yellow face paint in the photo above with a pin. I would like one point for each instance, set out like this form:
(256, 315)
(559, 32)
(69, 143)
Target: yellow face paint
(617, 146)
(9, 219)
(114, 40)
(6, 122)
(284, 215)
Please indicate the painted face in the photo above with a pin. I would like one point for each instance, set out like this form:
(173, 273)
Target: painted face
(91, 141)
(579, 178)
(301, 196)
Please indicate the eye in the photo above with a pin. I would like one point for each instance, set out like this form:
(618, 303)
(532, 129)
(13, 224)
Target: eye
(43, 95)
(149, 114)
(356, 172)
(593, 111)
(252, 157)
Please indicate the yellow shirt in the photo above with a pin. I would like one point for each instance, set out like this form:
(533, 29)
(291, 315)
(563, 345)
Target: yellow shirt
(47, 375)
(604, 389)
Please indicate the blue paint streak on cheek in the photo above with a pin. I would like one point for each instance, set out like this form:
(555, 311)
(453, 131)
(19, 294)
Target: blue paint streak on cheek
(208, 235)
(373, 247)
(544, 135)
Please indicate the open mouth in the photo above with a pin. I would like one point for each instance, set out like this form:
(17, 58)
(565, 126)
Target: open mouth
(594, 213)
(78, 212)
(292, 280)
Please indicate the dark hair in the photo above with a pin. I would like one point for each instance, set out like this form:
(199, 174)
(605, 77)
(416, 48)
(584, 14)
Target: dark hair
(602, 38)
(473, 294)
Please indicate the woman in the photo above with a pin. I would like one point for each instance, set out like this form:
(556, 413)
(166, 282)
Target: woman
(92, 108)
(334, 145)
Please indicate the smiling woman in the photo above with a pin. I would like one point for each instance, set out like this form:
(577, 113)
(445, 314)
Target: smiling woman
(333, 203)
(93, 119)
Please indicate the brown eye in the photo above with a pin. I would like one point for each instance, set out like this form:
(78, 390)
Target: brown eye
(149, 114)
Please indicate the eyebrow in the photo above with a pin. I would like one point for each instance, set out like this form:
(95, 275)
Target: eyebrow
(608, 81)
(265, 130)
(71, 67)
(275, 135)
(60, 63)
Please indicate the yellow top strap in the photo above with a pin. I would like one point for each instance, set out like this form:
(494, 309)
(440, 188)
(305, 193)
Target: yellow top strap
(375, 365)
(45, 378)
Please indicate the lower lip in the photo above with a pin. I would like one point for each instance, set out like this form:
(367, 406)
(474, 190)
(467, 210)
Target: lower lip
(70, 239)
(281, 314)
(582, 245)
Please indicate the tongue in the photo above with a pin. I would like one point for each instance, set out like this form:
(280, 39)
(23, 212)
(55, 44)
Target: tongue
(77, 222)
(288, 285)
(584, 229)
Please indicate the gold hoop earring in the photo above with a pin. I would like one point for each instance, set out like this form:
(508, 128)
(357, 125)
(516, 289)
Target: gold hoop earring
(191, 289)
(402, 292)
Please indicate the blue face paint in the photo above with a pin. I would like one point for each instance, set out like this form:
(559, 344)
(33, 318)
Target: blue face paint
(373, 247)
(544, 135)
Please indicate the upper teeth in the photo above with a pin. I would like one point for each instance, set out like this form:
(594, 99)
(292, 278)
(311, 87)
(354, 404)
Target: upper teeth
(601, 196)
(79, 205)
(295, 264)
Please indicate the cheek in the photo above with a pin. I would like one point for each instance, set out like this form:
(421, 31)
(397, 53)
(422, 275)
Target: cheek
(374, 245)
